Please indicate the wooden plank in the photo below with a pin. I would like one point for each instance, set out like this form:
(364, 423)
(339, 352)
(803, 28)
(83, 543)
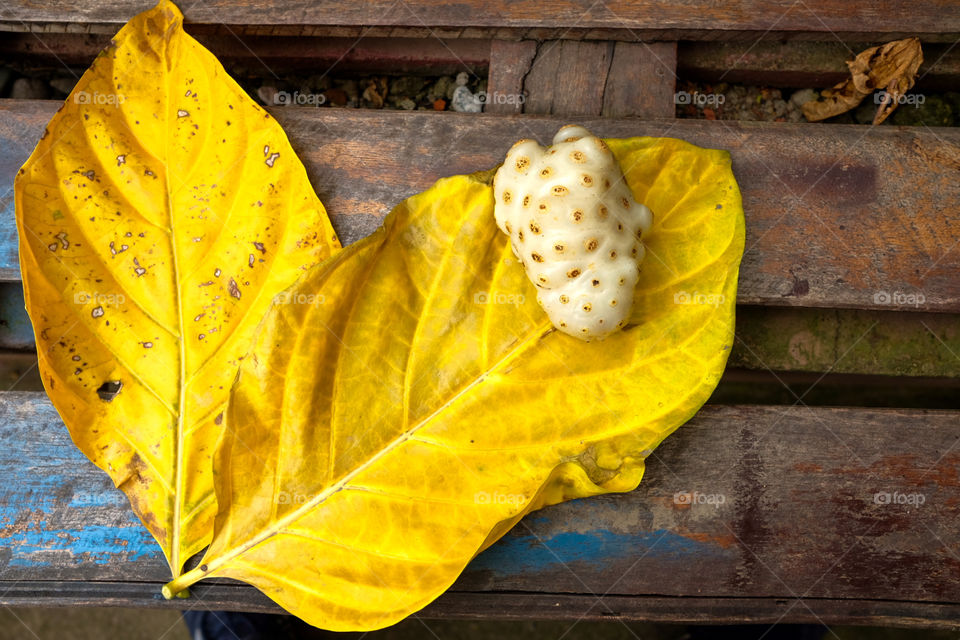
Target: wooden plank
(623, 19)
(775, 63)
(779, 503)
(275, 54)
(567, 78)
(515, 607)
(837, 216)
(841, 341)
(847, 341)
(641, 81)
(509, 64)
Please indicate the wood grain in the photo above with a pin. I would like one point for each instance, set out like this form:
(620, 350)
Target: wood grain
(509, 65)
(838, 216)
(742, 506)
(270, 55)
(767, 339)
(567, 78)
(641, 81)
(618, 19)
(802, 64)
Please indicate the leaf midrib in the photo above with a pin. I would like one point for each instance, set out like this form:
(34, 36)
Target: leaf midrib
(175, 562)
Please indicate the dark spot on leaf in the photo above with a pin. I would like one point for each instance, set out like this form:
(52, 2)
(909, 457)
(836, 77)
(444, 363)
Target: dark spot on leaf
(109, 390)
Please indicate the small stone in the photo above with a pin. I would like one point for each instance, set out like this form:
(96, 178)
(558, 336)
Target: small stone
(267, 94)
(438, 90)
(336, 97)
(406, 86)
(464, 101)
(799, 98)
(29, 89)
(352, 90)
(63, 84)
(934, 112)
(407, 103)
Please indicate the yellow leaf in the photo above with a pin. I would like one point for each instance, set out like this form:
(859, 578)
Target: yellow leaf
(158, 216)
(417, 402)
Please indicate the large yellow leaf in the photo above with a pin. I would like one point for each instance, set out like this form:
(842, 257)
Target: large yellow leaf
(409, 401)
(158, 216)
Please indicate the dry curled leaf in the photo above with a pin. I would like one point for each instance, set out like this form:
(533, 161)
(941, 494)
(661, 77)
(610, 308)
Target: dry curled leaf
(891, 67)
(426, 404)
(158, 216)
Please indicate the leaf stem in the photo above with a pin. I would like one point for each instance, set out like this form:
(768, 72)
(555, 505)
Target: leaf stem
(173, 588)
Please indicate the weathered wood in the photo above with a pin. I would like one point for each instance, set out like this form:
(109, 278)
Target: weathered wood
(641, 81)
(767, 338)
(455, 605)
(269, 55)
(802, 64)
(847, 341)
(837, 216)
(509, 64)
(785, 388)
(618, 19)
(567, 78)
(761, 503)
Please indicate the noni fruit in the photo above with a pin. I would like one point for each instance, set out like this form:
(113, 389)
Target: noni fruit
(575, 227)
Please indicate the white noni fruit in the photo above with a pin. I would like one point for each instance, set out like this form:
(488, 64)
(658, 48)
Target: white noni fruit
(575, 227)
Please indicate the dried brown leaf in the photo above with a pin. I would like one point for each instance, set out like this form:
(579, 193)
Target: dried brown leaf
(891, 67)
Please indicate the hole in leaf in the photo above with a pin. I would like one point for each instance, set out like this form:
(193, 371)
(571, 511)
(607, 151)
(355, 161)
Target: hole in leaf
(109, 390)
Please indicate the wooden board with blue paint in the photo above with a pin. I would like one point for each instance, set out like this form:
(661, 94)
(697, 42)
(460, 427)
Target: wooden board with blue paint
(810, 192)
(838, 506)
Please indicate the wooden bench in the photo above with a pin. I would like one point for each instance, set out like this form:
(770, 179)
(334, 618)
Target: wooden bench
(773, 504)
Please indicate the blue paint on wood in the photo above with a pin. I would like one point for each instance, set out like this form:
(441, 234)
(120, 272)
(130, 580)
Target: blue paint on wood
(39, 546)
(59, 510)
(526, 553)
(16, 332)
